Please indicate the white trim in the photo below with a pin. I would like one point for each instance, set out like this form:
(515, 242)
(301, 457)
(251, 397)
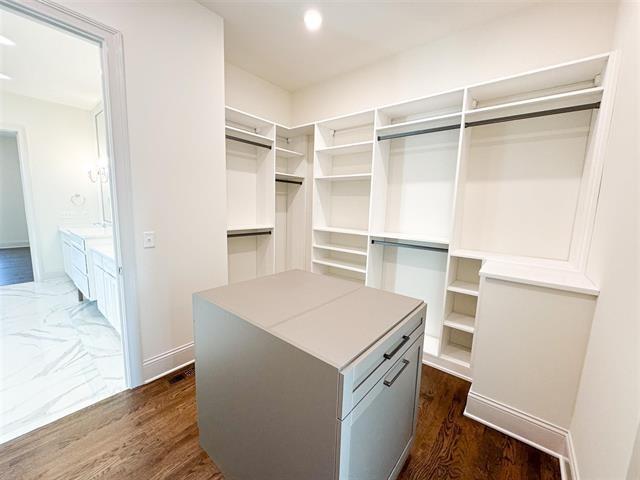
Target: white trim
(27, 194)
(16, 244)
(440, 364)
(112, 62)
(528, 429)
(571, 458)
(179, 367)
(167, 362)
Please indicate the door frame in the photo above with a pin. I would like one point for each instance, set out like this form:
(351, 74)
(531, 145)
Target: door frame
(25, 177)
(114, 97)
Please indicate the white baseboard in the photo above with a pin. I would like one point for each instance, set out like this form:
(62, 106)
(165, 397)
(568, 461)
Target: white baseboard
(17, 244)
(167, 362)
(517, 424)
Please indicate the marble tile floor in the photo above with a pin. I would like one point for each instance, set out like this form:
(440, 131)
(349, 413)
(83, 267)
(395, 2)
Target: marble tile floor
(57, 355)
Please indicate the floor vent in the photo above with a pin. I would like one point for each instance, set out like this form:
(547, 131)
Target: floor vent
(189, 372)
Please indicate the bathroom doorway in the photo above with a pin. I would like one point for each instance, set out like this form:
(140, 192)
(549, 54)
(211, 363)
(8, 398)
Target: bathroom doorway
(66, 332)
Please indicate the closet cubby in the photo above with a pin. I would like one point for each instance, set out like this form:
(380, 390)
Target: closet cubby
(340, 242)
(415, 272)
(465, 275)
(337, 133)
(456, 346)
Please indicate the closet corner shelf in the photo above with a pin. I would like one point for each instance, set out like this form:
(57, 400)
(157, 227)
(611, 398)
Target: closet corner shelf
(341, 248)
(347, 149)
(456, 354)
(352, 267)
(345, 178)
(245, 135)
(284, 153)
(347, 231)
(459, 321)
(289, 177)
(559, 100)
(466, 288)
(409, 237)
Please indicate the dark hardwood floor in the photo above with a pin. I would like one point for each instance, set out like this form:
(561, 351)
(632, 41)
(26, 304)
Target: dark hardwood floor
(151, 433)
(15, 266)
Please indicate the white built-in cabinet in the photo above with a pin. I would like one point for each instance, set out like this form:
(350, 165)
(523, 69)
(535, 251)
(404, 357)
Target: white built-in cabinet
(416, 197)
(267, 198)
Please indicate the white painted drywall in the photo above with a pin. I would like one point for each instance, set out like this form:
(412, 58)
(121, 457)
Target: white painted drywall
(536, 37)
(174, 66)
(60, 143)
(607, 412)
(13, 220)
(249, 93)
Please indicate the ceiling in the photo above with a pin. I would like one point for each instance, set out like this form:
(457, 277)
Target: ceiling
(49, 64)
(269, 39)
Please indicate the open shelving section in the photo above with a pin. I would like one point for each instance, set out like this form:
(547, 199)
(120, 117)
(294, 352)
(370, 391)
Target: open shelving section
(342, 191)
(266, 199)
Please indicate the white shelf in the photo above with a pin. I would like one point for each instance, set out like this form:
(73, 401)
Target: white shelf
(435, 241)
(245, 135)
(348, 231)
(424, 123)
(459, 321)
(560, 100)
(284, 153)
(342, 264)
(456, 354)
(248, 228)
(341, 248)
(466, 288)
(347, 149)
(345, 178)
(288, 176)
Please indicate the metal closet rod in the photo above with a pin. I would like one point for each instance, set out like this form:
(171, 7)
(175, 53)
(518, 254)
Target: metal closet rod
(509, 118)
(282, 180)
(248, 142)
(247, 234)
(408, 245)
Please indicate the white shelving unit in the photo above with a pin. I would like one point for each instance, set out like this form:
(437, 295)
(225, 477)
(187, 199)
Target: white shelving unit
(415, 197)
(266, 198)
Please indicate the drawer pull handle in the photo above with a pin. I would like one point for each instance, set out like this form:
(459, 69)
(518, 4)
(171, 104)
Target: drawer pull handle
(388, 383)
(389, 355)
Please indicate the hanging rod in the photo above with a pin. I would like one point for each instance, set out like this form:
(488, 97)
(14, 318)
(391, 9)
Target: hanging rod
(418, 132)
(249, 142)
(408, 245)
(542, 113)
(510, 118)
(247, 234)
(295, 182)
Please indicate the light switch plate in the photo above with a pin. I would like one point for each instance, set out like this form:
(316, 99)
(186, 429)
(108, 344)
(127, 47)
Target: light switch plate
(149, 239)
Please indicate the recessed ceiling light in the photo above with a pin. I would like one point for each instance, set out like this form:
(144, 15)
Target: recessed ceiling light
(4, 77)
(6, 41)
(313, 20)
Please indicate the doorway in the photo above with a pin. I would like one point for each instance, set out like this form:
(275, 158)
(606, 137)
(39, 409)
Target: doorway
(65, 330)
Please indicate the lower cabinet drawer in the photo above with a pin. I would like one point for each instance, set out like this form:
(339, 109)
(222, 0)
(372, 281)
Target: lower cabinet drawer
(376, 435)
(81, 281)
(78, 259)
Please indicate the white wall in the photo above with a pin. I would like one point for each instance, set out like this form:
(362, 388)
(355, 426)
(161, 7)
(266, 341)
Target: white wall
(607, 412)
(60, 142)
(174, 65)
(531, 38)
(13, 221)
(252, 94)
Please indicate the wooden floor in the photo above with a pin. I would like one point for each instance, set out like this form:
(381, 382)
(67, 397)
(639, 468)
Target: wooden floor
(151, 433)
(15, 266)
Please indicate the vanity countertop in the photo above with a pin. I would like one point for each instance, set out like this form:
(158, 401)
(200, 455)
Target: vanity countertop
(105, 249)
(88, 232)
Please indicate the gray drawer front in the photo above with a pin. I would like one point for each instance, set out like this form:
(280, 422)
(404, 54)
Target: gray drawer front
(359, 378)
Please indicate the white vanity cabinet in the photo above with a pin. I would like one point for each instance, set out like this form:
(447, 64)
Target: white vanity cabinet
(305, 376)
(75, 253)
(106, 284)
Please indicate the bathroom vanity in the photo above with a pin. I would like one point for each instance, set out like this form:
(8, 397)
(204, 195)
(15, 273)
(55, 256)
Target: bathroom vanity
(305, 376)
(76, 242)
